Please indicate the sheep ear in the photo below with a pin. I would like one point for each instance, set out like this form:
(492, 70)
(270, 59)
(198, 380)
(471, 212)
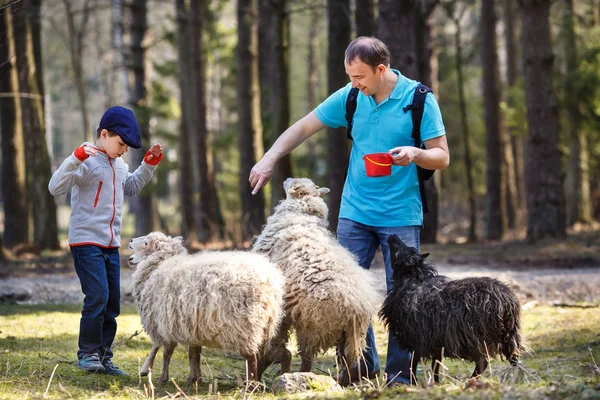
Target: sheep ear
(178, 238)
(424, 255)
(323, 191)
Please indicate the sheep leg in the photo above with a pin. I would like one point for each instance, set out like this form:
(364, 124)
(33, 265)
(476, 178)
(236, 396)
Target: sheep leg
(251, 368)
(167, 354)
(480, 366)
(435, 366)
(306, 364)
(275, 353)
(149, 360)
(277, 350)
(194, 355)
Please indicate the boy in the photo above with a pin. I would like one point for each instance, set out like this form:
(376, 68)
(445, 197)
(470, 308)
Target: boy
(99, 179)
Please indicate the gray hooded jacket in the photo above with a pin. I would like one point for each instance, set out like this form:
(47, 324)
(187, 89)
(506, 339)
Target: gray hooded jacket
(98, 186)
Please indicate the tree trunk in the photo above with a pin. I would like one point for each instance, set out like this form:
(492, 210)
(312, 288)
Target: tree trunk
(117, 32)
(413, 56)
(186, 172)
(365, 18)
(41, 203)
(397, 20)
(338, 32)
(143, 205)
(266, 68)
(427, 74)
(472, 237)
(210, 224)
(577, 186)
(509, 172)
(495, 207)
(516, 140)
(314, 155)
(250, 126)
(281, 120)
(545, 197)
(16, 218)
(77, 37)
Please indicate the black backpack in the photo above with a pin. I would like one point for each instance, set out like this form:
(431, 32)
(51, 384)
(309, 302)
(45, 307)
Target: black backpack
(417, 107)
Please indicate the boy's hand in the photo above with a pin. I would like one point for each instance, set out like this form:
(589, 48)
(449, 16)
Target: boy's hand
(154, 154)
(84, 151)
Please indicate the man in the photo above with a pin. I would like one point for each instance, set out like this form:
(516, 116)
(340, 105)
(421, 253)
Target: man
(372, 209)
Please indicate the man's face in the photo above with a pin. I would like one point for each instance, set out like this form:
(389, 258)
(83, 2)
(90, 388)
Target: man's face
(364, 78)
(113, 145)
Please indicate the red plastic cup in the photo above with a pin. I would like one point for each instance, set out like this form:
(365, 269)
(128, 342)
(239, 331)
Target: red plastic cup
(378, 164)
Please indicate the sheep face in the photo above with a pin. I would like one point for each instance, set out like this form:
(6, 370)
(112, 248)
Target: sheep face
(155, 243)
(405, 260)
(302, 187)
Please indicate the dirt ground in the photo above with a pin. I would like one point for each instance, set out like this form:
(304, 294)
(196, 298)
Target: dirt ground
(565, 271)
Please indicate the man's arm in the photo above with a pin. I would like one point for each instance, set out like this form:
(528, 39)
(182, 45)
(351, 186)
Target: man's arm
(435, 155)
(288, 141)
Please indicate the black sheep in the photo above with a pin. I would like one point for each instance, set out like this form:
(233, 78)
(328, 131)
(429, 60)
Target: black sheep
(472, 319)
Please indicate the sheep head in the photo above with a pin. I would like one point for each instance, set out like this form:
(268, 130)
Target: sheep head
(156, 246)
(302, 187)
(406, 261)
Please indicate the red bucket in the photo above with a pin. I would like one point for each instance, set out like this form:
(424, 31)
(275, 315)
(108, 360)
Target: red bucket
(378, 164)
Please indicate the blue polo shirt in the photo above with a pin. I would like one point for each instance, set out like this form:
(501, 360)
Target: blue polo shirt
(386, 201)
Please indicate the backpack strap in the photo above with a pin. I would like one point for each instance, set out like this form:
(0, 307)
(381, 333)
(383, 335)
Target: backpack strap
(417, 107)
(351, 109)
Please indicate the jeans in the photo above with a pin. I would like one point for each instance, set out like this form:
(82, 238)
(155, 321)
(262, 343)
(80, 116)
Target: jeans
(363, 241)
(99, 273)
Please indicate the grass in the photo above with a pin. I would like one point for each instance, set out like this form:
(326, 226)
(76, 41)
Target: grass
(38, 346)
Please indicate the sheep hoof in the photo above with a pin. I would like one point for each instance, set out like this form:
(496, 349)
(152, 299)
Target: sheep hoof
(253, 386)
(163, 379)
(192, 379)
(143, 373)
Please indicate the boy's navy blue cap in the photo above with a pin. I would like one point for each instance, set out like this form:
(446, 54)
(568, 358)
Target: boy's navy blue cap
(122, 121)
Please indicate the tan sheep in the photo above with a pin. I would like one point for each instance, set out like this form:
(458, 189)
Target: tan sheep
(231, 300)
(329, 299)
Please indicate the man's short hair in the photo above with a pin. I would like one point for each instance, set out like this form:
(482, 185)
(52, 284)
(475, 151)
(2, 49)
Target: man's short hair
(369, 50)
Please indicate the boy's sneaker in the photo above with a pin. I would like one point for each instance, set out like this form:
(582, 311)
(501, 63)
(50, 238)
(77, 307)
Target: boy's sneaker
(91, 363)
(110, 368)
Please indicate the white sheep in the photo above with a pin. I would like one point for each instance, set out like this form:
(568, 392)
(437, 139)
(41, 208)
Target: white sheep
(231, 300)
(329, 299)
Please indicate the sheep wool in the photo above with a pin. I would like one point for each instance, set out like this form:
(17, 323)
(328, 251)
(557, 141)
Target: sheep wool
(231, 300)
(471, 319)
(329, 299)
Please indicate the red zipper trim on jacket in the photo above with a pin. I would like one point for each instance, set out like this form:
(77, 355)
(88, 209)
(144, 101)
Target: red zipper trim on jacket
(112, 235)
(98, 194)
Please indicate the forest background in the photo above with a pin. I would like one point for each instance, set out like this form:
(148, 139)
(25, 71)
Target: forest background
(217, 81)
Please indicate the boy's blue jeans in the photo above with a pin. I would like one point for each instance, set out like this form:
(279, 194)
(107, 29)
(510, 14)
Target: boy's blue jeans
(99, 272)
(363, 241)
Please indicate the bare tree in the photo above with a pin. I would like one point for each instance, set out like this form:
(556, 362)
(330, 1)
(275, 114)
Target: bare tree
(545, 197)
(250, 126)
(117, 38)
(210, 222)
(516, 193)
(338, 32)
(41, 203)
(577, 184)
(16, 215)
(144, 205)
(495, 207)
(456, 16)
(281, 120)
(186, 171)
(76, 42)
